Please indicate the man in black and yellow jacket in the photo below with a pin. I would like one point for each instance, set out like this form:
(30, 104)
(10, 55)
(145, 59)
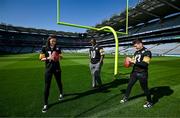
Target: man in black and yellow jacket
(139, 72)
(96, 54)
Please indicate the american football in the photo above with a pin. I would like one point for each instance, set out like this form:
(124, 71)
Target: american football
(127, 62)
(55, 56)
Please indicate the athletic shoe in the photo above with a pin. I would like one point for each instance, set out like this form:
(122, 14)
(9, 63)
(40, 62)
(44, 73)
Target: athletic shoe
(147, 105)
(123, 100)
(60, 96)
(44, 109)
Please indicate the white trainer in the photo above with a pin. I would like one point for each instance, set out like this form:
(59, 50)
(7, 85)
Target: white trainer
(123, 100)
(147, 105)
(60, 96)
(44, 109)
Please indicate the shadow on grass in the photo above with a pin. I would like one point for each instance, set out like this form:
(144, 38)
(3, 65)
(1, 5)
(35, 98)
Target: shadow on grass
(99, 104)
(105, 88)
(157, 93)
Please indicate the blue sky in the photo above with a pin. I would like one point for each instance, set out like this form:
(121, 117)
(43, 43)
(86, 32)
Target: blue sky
(42, 13)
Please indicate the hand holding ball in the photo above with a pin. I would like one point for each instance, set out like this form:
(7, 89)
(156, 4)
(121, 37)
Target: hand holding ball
(55, 56)
(127, 62)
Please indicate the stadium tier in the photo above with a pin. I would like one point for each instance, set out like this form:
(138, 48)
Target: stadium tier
(154, 21)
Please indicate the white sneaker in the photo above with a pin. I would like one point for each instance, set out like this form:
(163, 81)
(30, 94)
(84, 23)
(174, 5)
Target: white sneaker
(147, 105)
(44, 109)
(60, 96)
(123, 100)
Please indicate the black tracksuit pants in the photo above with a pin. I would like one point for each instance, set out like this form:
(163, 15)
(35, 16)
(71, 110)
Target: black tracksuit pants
(143, 79)
(48, 77)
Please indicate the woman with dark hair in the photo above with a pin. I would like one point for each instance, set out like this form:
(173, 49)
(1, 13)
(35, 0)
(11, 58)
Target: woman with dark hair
(51, 54)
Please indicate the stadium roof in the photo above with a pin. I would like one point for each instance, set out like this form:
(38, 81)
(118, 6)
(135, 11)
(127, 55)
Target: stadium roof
(143, 12)
(152, 9)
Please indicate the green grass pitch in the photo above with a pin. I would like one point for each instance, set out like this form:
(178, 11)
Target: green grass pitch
(22, 84)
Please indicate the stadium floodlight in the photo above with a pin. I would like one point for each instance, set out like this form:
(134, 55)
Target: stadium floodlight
(105, 29)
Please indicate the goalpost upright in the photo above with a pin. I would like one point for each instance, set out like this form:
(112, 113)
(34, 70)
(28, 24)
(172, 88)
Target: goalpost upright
(105, 28)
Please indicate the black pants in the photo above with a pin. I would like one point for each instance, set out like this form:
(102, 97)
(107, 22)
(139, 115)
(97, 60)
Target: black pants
(48, 77)
(143, 79)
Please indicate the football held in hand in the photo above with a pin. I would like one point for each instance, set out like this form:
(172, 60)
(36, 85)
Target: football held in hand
(127, 62)
(55, 56)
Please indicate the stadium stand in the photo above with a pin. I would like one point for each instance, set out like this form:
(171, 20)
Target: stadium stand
(173, 51)
(14, 39)
(154, 21)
